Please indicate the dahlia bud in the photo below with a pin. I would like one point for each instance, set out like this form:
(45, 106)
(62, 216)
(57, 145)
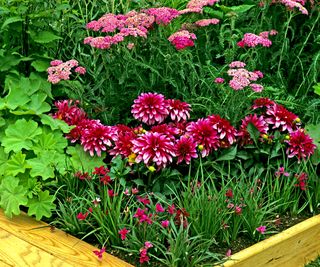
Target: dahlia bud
(201, 147)
(152, 169)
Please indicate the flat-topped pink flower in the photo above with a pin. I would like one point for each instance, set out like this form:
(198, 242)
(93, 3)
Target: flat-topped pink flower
(150, 108)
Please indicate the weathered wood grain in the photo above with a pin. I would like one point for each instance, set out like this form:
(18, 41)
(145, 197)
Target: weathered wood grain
(16, 252)
(62, 246)
(293, 247)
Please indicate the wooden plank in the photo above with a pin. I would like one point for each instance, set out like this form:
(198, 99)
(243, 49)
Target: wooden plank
(16, 252)
(293, 247)
(57, 243)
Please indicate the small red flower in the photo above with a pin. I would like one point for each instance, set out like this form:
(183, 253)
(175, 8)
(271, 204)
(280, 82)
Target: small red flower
(261, 229)
(143, 200)
(302, 181)
(100, 252)
(229, 193)
(105, 179)
(82, 216)
(123, 233)
(165, 224)
(159, 208)
(171, 209)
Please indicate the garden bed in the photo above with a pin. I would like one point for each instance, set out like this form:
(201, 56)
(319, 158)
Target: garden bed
(295, 246)
(27, 242)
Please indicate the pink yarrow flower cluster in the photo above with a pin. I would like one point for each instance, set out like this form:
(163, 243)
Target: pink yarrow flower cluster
(206, 22)
(196, 6)
(135, 24)
(292, 4)
(60, 70)
(182, 39)
(253, 40)
(242, 78)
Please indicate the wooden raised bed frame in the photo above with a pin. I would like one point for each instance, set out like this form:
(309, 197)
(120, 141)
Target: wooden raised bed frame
(26, 242)
(293, 247)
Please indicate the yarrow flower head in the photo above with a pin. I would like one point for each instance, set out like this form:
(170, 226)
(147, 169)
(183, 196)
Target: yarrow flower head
(163, 15)
(206, 22)
(253, 40)
(182, 39)
(291, 4)
(150, 108)
(197, 5)
(219, 80)
(300, 145)
(60, 70)
(237, 64)
(153, 148)
(178, 110)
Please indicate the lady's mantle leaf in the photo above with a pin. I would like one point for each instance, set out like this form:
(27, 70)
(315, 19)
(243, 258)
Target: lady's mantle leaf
(12, 196)
(41, 206)
(19, 136)
(55, 123)
(42, 165)
(81, 160)
(16, 164)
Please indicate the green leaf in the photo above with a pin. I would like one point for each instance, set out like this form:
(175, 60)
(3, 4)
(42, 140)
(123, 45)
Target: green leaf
(213, 13)
(42, 166)
(40, 65)
(55, 124)
(11, 20)
(316, 88)
(16, 164)
(228, 154)
(314, 131)
(81, 160)
(138, 182)
(16, 97)
(50, 140)
(20, 135)
(237, 9)
(6, 62)
(3, 161)
(12, 195)
(44, 37)
(37, 105)
(41, 206)
(254, 132)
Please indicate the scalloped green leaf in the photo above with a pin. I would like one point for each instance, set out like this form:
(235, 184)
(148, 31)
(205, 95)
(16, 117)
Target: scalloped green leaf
(20, 135)
(40, 65)
(42, 166)
(41, 206)
(82, 160)
(16, 164)
(3, 161)
(36, 106)
(49, 140)
(12, 195)
(55, 124)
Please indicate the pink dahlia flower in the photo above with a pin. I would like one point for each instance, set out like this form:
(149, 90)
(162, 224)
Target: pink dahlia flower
(150, 108)
(166, 129)
(178, 110)
(225, 131)
(69, 112)
(300, 145)
(258, 122)
(185, 149)
(96, 138)
(281, 118)
(123, 136)
(203, 134)
(262, 102)
(153, 148)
